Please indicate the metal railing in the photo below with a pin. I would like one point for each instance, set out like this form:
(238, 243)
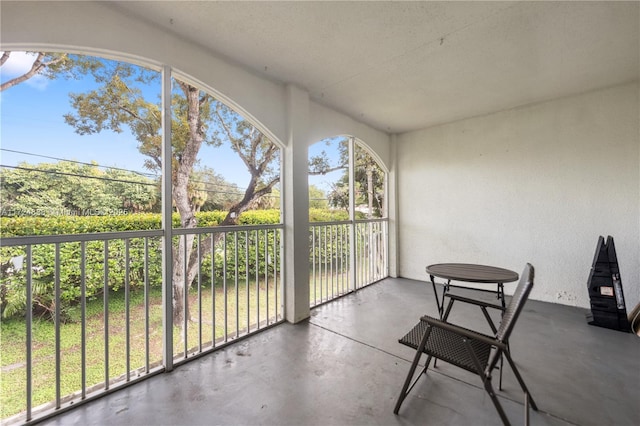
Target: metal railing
(93, 307)
(97, 303)
(237, 288)
(329, 261)
(372, 263)
(338, 266)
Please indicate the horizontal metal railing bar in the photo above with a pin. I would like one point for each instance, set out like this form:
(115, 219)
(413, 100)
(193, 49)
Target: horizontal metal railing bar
(348, 222)
(374, 220)
(337, 222)
(121, 235)
(225, 228)
(73, 238)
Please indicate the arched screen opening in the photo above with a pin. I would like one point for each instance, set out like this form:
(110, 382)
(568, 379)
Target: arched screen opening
(335, 164)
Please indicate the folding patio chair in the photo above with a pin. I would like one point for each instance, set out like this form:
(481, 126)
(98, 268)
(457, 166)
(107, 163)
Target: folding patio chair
(483, 306)
(470, 350)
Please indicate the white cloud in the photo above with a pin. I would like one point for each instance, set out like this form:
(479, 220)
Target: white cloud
(18, 64)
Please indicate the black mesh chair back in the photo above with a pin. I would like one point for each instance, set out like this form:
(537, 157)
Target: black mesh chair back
(513, 310)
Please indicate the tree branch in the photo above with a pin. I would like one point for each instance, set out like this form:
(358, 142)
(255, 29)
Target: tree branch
(5, 58)
(35, 69)
(37, 66)
(233, 140)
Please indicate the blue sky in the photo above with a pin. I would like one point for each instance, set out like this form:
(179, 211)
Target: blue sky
(31, 121)
(324, 182)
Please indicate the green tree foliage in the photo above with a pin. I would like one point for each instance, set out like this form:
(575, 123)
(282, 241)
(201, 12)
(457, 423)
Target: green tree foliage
(119, 103)
(338, 196)
(68, 188)
(321, 164)
(369, 178)
(267, 201)
(317, 198)
(326, 215)
(216, 192)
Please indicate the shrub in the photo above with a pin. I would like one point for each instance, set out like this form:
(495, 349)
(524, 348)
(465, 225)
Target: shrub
(322, 215)
(13, 267)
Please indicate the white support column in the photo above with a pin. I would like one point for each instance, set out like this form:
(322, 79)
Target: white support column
(392, 209)
(167, 226)
(296, 206)
(353, 247)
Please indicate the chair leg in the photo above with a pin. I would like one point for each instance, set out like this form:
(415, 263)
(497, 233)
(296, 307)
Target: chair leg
(520, 380)
(426, 365)
(501, 369)
(448, 311)
(486, 380)
(407, 383)
(495, 330)
(494, 399)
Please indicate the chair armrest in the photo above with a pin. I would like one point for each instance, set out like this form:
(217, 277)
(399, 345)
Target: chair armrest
(460, 331)
(474, 301)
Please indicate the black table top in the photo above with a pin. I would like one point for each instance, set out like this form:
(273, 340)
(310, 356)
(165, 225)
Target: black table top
(472, 273)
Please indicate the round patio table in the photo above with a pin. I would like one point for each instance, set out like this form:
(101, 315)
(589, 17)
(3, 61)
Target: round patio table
(471, 273)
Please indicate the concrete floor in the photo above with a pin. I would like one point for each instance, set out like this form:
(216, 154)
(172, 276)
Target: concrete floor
(345, 367)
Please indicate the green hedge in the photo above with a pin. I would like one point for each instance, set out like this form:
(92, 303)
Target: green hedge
(322, 215)
(12, 282)
(12, 279)
(60, 225)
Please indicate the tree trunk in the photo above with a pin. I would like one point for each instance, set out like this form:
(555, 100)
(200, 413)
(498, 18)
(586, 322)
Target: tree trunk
(181, 283)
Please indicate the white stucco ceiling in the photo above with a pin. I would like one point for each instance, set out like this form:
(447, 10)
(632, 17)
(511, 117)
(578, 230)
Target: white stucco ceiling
(401, 66)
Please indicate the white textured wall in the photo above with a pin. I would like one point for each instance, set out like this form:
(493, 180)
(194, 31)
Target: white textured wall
(534, 184)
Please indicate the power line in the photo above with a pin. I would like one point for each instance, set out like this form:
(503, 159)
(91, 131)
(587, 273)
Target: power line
(77, 175)
(79, 162)
(117, 180)
(149, 175)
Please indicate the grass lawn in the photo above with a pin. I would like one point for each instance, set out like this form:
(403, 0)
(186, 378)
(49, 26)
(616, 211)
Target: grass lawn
(324, 287)
(238, 317)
